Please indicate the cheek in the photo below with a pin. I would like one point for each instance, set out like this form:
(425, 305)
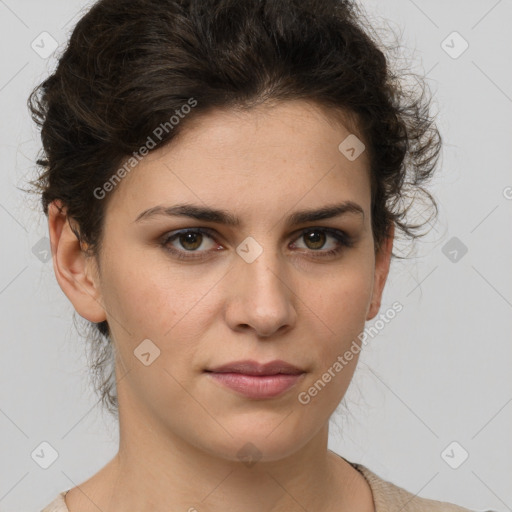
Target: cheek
(138, 302)
(146, 297)
(339, 312)
(168, 308)
(343, 301)
(146, 304)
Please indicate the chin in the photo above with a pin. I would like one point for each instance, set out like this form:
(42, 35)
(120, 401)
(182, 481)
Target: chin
(250, 445)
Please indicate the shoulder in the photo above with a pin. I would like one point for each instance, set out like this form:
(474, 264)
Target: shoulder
(387, 497)
(58, 504)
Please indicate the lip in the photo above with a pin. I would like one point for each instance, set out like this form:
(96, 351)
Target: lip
(256, 380)
(257, 386)
(250, 367)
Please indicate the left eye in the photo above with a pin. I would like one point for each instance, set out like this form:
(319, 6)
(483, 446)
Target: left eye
(317, 237)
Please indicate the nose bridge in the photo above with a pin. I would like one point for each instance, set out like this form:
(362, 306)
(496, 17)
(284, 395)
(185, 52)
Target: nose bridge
(265, 276)
(260, 296)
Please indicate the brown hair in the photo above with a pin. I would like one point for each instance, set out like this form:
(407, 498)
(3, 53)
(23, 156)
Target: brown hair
(132, 64)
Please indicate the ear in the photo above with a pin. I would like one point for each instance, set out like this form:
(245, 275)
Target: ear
(382, 262)
(76, 274)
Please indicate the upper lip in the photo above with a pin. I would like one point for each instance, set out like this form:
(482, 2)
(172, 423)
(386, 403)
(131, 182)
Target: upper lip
(249, 367)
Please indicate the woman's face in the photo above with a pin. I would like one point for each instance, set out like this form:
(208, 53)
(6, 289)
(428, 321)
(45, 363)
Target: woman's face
(269, 288)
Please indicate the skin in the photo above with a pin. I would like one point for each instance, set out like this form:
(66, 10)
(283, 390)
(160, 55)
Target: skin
(179, 430)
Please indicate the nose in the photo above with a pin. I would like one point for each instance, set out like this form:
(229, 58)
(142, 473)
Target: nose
(259, 297)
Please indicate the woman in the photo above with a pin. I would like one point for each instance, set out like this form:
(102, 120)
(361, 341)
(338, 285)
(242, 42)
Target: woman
(223, 181)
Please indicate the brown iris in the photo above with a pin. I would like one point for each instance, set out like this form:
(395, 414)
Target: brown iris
(317, 238)
(193, 239)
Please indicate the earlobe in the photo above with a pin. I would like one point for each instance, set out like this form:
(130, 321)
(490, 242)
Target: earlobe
(72, 268)
(382, 263)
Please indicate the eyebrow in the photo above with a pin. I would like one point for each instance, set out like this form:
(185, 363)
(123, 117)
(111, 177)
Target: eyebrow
(224, 217)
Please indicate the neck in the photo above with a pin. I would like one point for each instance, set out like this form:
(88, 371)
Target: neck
(156, 470)
(174, 475)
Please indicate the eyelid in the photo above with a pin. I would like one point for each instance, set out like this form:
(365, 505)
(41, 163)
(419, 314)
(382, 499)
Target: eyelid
(339, 234)
(344, 240)
(170, 235)
(215, 236)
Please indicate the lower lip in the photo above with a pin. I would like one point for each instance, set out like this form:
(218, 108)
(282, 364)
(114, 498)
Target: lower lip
(257, 386)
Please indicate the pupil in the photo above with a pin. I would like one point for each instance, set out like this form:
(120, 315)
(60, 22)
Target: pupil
(315, 237)
(189, 239)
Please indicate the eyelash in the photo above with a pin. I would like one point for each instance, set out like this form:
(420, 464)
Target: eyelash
(344, 241)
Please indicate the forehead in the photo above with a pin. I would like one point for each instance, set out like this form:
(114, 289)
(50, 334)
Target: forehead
(282, 124)
(282, 151)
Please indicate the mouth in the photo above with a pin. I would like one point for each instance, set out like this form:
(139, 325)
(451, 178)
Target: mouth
(249, 367)
(255, 380)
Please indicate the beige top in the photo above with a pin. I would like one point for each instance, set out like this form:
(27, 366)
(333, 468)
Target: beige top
(387, 497)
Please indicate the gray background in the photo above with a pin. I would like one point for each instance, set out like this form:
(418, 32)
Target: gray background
(438, 373)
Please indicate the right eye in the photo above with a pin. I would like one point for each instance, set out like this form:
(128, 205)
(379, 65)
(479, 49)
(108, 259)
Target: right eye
(190, 240)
